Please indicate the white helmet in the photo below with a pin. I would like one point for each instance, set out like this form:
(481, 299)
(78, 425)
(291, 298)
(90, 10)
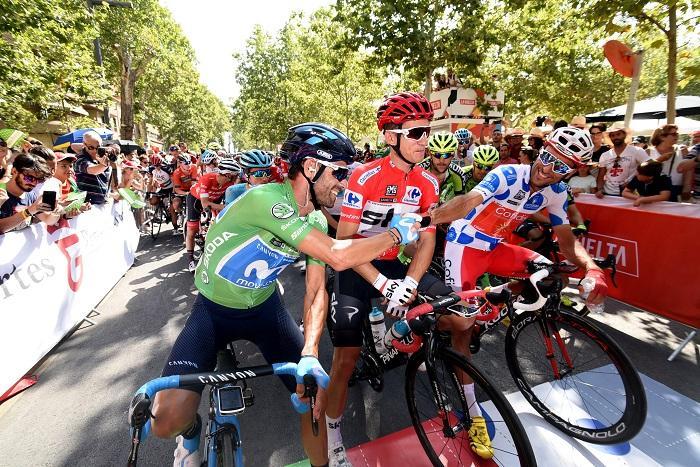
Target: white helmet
(573, 143)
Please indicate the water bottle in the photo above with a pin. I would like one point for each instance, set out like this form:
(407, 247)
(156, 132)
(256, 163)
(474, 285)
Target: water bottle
(588, 285)
(376, 321)
(397, 331)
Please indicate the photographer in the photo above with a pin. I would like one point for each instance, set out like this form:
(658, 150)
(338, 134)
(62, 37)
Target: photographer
(93, 169)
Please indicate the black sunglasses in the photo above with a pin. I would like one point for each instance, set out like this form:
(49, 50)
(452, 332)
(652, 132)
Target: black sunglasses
(91, 148)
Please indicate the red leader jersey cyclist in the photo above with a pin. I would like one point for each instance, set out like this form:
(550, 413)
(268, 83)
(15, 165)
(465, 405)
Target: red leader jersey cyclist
(207, 193)
(184, 176)
(377, 192)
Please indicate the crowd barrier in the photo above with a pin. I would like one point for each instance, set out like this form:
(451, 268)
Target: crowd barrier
(657, 253)
(52, 277)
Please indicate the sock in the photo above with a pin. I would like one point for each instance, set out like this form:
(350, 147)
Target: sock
(334, 435)
(192, 435)
(474, 409)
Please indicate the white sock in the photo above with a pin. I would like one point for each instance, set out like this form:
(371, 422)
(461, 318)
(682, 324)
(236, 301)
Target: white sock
(474, 409)
(335, 437)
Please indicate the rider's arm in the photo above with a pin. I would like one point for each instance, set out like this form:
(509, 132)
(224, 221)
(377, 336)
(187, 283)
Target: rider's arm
(345, 231)
(344, 254)
(573, 250)
(207, 203)
(456, 208)
(315, 307)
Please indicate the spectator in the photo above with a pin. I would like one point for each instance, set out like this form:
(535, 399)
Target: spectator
(131, 177)
(514, 138)
(64, 173)
(51, 184)
(527, 155)
(578, 121)
(504, 156)
(649, 185)
(678, 169)
(21, 205)
(367, 155)
(694, 153)
(582, 181)
(497, 135)
(641, 142)
(600, 138)
(4, 157)
(92, 169)
(559, 124)
(618, 165)
(535, 139)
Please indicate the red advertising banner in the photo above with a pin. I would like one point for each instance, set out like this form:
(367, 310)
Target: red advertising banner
(657, 253)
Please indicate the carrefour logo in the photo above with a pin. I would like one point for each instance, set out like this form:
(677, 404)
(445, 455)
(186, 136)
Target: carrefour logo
(412, 195)
(352, 200)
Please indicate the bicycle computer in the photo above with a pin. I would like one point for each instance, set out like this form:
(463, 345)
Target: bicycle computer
(230, 400)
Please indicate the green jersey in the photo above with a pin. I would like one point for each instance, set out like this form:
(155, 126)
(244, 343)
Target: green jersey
(470, 182)
(251, 243)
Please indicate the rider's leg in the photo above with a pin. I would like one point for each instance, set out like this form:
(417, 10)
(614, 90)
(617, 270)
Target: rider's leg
(174, 208)
(175, 410)
(193, 218)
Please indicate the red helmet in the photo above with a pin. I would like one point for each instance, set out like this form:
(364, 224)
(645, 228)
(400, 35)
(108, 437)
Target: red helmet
(403, 107)
(156, 160)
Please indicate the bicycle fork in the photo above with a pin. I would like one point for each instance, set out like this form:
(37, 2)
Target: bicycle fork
(549, 330)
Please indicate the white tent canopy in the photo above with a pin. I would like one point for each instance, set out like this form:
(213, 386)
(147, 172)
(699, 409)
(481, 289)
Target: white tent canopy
(653, 108)
(646, 126)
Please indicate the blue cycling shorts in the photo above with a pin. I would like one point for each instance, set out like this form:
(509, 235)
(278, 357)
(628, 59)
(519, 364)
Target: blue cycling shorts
(211, 327)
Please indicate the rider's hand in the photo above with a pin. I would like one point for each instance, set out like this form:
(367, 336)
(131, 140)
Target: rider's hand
(309, 365)
(396, 310)
(407, 226)
(580, 230)
(399, 291)
(600, 290)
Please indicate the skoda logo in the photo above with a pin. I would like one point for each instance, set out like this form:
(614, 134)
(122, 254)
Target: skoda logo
(282, 211)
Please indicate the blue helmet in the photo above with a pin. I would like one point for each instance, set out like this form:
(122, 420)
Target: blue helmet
(255, 158)
(319, 141)
(463, 135)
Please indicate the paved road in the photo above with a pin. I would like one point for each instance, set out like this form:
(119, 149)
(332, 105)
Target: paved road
(76, 414)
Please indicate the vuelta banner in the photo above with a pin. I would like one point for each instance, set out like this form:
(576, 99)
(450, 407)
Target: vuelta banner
(656, 251)
(52, 277)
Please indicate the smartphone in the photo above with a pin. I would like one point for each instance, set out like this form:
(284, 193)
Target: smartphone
(49, 197)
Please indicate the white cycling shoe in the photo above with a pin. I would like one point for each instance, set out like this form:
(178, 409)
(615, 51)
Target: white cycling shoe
(192, 266)
(185, 458)
(337, 456)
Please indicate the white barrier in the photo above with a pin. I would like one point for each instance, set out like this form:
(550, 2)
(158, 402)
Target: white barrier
(52, 277)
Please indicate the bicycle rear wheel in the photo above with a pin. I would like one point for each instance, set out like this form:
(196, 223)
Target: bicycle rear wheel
(587, 388)
(444, 434)
(156, 221)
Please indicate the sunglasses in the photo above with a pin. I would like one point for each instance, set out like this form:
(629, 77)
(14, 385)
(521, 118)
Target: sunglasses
(32, 179)
(416, 133)
(340, 173)
(482, 166)
(559, 167)
(91, 148)
(260, 173)
(442, 155)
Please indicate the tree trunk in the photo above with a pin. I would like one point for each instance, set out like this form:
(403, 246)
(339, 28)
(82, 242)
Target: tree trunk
(128, 82)
(672, 59)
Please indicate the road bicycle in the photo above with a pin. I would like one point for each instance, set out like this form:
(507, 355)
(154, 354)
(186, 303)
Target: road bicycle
(229, 396)
(434, 394)
(567, 367)
(156, 216)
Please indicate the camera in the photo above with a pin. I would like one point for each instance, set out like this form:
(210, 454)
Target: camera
(101, 151)
(112, 157)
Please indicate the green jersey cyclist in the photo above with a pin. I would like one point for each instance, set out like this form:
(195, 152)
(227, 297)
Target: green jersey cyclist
(253, 240)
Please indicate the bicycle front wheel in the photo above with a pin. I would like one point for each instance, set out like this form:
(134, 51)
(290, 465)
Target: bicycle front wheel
(156, 221)
(440, 414)
(576, 377)
(225, 457)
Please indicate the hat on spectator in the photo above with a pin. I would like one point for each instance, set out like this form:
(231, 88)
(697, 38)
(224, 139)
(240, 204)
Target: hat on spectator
(127, 164)
(694, 133)
(62, 156)
(619, 126)
(536, 133)
(579, 121)
(174, 148)
(517, 131)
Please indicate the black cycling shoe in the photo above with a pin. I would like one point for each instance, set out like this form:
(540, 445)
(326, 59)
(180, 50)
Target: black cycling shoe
(475, 343)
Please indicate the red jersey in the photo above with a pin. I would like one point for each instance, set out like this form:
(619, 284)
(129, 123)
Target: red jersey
(183, 179)
(208, 187)
(379, 190)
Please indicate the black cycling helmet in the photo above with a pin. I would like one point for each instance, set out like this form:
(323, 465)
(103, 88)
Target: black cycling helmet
(319, 141)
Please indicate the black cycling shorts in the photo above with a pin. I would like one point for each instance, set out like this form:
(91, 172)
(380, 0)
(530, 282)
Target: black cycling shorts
(194, 208)
(350, 302)
(211, 327)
